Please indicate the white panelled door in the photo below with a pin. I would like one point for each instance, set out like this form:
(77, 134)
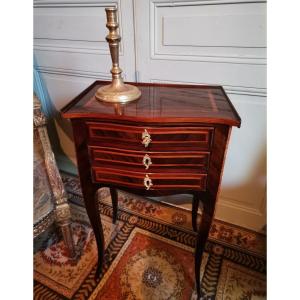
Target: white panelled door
(216, 42)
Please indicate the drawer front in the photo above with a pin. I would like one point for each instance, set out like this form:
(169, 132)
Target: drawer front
(189, 162)
(149, 181)
(150, 138)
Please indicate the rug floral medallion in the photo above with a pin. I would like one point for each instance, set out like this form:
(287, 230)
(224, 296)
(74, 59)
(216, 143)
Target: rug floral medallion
(149, 267)
(149, 255)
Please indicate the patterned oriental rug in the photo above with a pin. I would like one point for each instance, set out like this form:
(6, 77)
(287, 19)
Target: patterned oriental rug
(149, 255)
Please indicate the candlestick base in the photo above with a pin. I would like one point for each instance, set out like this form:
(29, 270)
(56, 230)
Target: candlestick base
(121, 94)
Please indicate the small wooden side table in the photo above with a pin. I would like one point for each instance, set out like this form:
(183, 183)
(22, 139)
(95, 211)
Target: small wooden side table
(172, 140)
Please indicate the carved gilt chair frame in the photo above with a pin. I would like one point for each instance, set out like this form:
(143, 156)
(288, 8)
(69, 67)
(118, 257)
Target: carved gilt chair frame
(60, 214)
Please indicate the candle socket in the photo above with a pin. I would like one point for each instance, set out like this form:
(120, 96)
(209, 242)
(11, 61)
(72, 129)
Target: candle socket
(117, 91)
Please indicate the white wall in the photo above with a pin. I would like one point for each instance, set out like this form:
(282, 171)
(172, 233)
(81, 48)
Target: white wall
(206, 41)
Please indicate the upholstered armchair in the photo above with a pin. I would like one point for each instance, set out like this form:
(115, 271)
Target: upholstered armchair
(50, 199)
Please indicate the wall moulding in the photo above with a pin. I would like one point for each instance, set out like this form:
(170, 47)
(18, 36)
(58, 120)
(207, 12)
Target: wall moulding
(76, 73)
(74, 28)
(74, 3)
(84, 50)
(171, 3)
(172, 38)
(212, 59)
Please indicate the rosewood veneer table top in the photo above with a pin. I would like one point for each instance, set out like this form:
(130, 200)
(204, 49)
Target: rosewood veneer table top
(176, 103)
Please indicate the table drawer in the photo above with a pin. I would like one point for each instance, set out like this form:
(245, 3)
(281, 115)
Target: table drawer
(149, 181)
(150, 138)
(189, 162)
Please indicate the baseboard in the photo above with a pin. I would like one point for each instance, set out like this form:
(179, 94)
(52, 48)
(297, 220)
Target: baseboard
(225, 211)
(240, 215)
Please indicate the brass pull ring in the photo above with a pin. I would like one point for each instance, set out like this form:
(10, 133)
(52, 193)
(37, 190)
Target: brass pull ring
(147, 182)
(146, 138)
(147, 161)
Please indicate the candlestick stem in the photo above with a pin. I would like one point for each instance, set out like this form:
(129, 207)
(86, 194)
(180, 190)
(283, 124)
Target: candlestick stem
(117, 91)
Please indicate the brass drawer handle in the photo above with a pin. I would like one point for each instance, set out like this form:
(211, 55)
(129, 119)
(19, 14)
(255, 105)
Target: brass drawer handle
(147, 182)
(147, 161)
(146, 138)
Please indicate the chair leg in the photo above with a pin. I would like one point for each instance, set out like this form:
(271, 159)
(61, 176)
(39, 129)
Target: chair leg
(62, 209)
(68, 239)
(63, 219)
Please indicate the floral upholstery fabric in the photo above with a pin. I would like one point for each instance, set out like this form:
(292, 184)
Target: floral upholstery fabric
(43, 203)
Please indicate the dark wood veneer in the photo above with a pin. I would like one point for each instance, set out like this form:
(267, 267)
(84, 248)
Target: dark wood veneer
(189, 127)
(161, 181)
(163, 138)
(159, 102)
(168, 162)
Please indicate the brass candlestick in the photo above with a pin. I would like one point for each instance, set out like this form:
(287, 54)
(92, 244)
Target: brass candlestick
(117, 91)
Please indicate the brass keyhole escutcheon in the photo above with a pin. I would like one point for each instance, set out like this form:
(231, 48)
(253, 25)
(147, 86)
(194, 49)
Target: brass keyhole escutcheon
(146, 138)
(147, 182)
(147, 161)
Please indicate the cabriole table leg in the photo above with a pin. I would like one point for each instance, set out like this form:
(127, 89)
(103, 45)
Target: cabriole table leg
(206, 220)
(92, 208)
(195, 205)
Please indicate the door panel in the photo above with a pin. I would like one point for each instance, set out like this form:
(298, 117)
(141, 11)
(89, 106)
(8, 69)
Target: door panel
(216, 42)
